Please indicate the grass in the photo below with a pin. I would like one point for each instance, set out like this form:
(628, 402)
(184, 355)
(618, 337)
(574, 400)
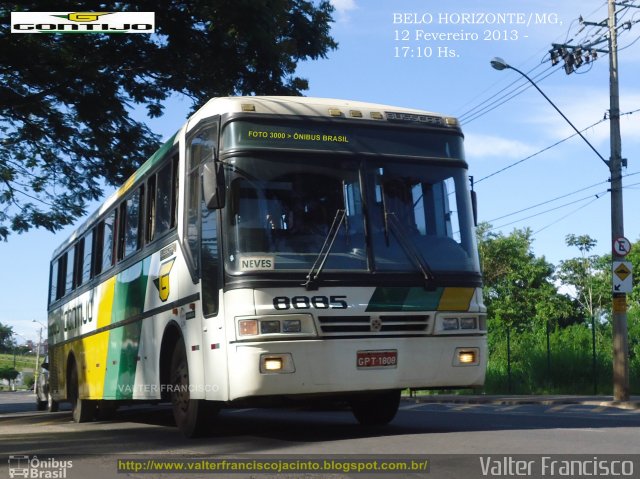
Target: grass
(22, 362)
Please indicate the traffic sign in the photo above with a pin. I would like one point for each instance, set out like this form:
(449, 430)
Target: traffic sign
(621, 246)
(622, 277)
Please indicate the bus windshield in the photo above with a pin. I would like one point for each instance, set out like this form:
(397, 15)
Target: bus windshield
(281, 210)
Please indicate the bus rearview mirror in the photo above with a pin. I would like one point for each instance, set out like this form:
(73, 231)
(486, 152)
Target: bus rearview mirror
(474, 207)
(212, 179)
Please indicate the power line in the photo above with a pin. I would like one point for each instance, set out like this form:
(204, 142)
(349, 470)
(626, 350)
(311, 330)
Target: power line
(511, 165)
(568, 214)
(597, 195)
(594, 34)
(548, 201)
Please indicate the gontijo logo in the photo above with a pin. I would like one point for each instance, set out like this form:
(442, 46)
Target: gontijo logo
(82, 22)
(83, 16)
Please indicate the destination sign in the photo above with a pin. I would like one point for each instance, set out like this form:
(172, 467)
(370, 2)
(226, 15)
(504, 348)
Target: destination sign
(346, 137)
(267, 134)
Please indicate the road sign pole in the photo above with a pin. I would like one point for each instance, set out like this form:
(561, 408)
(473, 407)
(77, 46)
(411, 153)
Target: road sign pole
(619, 300)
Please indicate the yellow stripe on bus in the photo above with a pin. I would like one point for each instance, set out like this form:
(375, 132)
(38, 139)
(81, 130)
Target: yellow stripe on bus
(94, 349)
(456, 299)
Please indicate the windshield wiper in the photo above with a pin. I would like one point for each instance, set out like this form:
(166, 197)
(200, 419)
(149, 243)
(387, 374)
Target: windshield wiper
(321, 259)
(393, 224)
(410, 250)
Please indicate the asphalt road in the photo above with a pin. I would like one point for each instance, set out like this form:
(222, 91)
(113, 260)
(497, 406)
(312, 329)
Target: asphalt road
(453, 437)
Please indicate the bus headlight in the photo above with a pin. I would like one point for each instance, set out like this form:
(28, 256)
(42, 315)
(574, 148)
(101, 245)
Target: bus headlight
(461, 323)
(466, 357)
(275, 327)
(277, 364)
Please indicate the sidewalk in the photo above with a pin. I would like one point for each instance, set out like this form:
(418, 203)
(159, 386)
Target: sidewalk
(602, 401)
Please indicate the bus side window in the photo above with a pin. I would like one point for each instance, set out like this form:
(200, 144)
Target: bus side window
(130, 221)
(69, 263)
(202, 148)
(86, 258)
(165, 200)
(60, 279)
(109, 226)
(98, 239)
(150, 214)
(53, 281)
(77, 263)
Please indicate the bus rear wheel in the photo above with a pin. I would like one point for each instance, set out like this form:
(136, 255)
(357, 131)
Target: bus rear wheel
(82, 410)
(376, 409)
(193, 416)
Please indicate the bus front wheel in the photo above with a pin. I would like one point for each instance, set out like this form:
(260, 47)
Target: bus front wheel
(83, 410)
(193, 416)
(376, 409)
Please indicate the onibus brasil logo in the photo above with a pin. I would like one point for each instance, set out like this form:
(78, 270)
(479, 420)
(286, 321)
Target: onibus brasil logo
(32, 467)
(82, 22)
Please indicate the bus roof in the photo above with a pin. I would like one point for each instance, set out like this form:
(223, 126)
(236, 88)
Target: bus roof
(303, 106)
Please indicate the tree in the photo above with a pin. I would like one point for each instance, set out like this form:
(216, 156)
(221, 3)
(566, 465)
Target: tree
(65, 100)
(8, 373)
(518, 286)
(588, 275)
(6, 338)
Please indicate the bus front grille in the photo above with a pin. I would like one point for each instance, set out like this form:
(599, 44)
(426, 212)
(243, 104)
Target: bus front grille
(391, 324)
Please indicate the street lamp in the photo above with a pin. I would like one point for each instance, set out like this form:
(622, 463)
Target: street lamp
(36, 372)
(619, 309)
(499, 64)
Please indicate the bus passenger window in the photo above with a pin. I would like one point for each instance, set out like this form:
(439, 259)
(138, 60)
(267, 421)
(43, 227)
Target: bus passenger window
(164, 200)
(68, 284)
(77, 263)
(150, 215)
(60, 279)
(108, 240)
(85, 271)
(131, 224)
(53, 282)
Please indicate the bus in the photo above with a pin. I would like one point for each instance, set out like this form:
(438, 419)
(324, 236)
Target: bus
(274, 250)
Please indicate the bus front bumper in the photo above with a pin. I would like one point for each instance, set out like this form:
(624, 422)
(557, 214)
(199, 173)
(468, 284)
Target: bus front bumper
(349, 365)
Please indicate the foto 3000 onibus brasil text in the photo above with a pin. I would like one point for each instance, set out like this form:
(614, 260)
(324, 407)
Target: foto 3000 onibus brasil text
(275, 249)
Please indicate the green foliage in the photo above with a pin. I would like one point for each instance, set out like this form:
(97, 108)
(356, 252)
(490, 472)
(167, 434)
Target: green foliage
(65, 100)
(518, 286)
(567, 366)
(8, 373)
(6, 338)
(589, 276)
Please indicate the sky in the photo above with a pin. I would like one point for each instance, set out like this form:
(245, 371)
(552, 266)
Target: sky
(435, 56)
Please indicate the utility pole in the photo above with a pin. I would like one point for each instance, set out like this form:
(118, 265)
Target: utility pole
(619, 300)
(574, 57)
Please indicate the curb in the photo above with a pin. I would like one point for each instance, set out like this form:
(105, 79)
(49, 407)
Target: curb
(595, 401)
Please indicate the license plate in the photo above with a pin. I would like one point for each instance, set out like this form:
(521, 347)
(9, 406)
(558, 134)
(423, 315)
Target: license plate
(377, 359)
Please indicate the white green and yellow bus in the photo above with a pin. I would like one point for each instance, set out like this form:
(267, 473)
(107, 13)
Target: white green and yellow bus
(274, 249)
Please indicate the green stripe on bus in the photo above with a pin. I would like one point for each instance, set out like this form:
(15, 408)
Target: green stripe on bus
(387, 299)
(124, 342)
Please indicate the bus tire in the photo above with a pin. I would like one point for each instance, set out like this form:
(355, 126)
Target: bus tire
(376, 409)
(82, 410)
(193, 416)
